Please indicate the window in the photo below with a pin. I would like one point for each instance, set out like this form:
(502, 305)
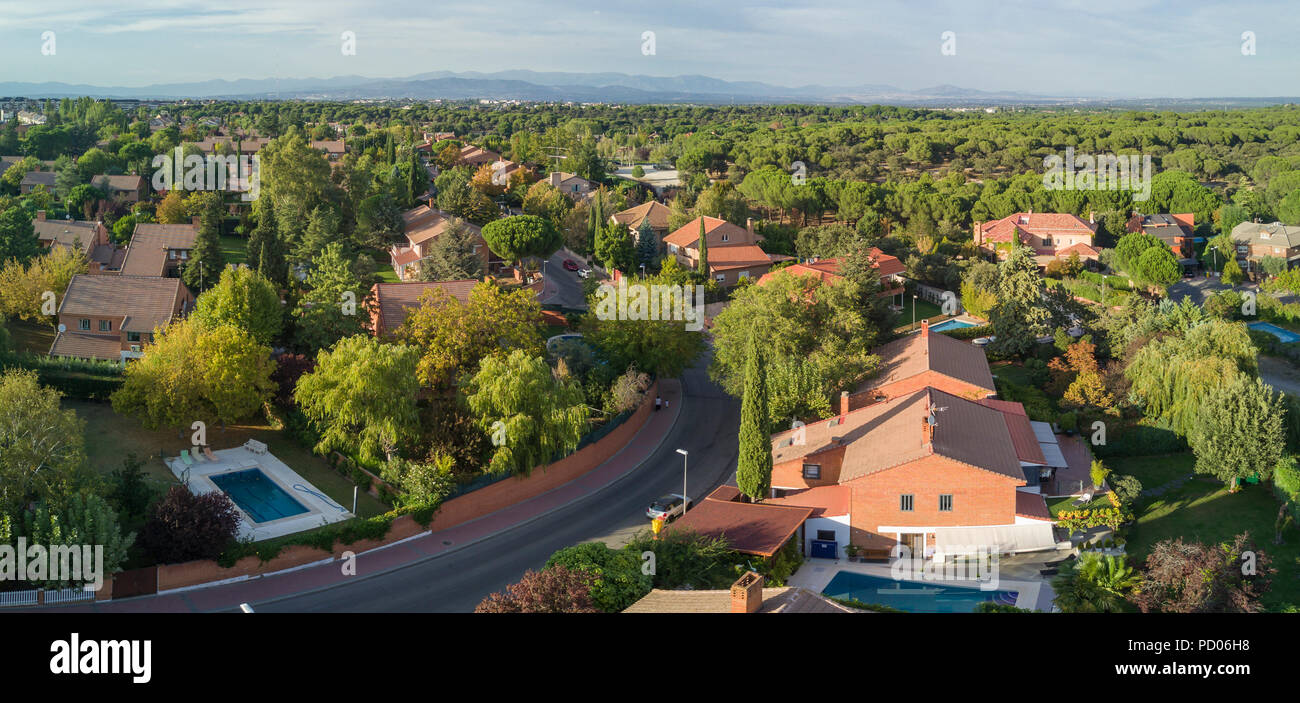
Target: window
(812, 470)
(905, 503)
(171, 254)
(724, 237)
(945, 503)
(721, 278)
(132, 336)
(105, 325)
(1047, 241)
(83, 325)
(825, 535)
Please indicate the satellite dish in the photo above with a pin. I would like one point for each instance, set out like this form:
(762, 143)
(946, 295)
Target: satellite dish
(63, 327)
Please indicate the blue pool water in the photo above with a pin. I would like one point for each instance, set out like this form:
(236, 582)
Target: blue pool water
(949, 325)
(1287, 336)
(912, 596)
(258, 495)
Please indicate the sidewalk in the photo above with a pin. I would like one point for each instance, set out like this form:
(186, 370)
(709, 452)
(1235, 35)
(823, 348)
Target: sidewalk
(423, 546)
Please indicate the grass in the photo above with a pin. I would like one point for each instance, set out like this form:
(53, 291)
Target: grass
(234, 249)
(110, 437)
(1014, 373)
(1057, 505)
(386, 274)
(1155, 470)
(30, 336)
(1203, 510)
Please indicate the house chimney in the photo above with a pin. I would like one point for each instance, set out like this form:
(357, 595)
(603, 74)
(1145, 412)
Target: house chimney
(925, 329)
(555, 179)
(844, 402)
(40, 215)
(747, 593)
(1092, 217)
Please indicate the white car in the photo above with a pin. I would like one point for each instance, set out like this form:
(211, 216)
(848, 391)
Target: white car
(668, 507)
(584, 273)
(983, 341)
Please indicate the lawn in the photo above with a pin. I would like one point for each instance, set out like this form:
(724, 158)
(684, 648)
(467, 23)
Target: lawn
(1056, 505)
(234, 249)
(110, 437)
(1203, 510)
(1014, 373)
(386, 274)
(1155, 470)
(30, 336)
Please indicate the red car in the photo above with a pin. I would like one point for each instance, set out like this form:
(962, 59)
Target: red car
(570, 265)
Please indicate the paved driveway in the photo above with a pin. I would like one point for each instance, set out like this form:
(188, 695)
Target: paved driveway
(563, 287)
(1198, 289)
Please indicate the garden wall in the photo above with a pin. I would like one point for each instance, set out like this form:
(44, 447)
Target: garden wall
(456, 511)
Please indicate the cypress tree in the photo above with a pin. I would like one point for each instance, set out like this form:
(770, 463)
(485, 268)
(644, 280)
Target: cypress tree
(206, 262)
(754, 465)
(703, 268)
(647, 246)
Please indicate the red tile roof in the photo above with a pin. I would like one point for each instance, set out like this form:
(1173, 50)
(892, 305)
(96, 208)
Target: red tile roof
(1032, 505)
(824, 500)
(750, 528)
(829, 269)
(1083, 250)
(688, 235)
(1040, 224)
(918, 353)
(394, 301)
(1022, 433)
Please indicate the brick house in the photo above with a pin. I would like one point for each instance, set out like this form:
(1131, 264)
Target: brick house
(1051, 235)
(476, 156)
(37, 178)
(889, 268)
(121, 189)
(572, 185)
(89, 238)
(933, 471)
(733, 251)
(655, 212)
(1256, 240)
(113, 317)
(390, 303)
(159, 250)
(924, 360)
(1174, 230)
(424, 224)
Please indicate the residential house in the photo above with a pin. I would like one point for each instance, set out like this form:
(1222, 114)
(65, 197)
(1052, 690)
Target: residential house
(888, 267)
(746, 595)
(159, 250)
(757, 529)
(37, 178)
(121, 189)
(89, 238)
(424, 224)
(233, 145)
(733, 252)
(112, 317)
(334, 149)
(477, 156)
(1256, 240)
(924, 360)
(655, 212)
(929, 470)
(574, 186)
(391, 303)
(1051, 235)
(7, 161)
(1174, 230)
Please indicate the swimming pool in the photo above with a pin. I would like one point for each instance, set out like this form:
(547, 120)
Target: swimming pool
(258, 495)
(950, 325)
(914, 597)
(1287, 336)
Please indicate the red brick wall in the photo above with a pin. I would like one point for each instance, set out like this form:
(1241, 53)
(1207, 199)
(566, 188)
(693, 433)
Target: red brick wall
(979, 498)
(789, 474)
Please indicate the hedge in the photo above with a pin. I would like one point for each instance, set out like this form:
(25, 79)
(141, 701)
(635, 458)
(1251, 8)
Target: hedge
(324, 538)
(969, 332)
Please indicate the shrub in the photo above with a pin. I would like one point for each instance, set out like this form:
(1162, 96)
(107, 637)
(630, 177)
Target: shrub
(1125, 488)
(617, 581)
(184, 526)
(554, 590)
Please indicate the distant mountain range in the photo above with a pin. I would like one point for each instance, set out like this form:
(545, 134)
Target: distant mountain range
(582, 87)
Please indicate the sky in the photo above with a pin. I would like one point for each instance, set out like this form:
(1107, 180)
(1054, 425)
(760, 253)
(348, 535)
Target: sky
(1103, 48)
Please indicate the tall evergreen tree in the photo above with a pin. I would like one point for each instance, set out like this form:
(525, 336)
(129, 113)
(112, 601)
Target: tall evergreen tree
(647, 246)
(703, 267)
(322, 230)
(266, 251)
(754, 465)
(1020, 315)
(206, 261)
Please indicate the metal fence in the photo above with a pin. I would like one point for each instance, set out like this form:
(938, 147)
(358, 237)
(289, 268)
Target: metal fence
(19, 597)
(69, 595)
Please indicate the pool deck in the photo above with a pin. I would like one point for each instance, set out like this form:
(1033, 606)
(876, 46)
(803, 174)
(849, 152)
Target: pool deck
(321, 511)
(815, 574)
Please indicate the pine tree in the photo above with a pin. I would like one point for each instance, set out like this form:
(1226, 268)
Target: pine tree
(266, 250)
(754, 465)
(206, 261)
(647, 246)
(703, 267)
(322, 230)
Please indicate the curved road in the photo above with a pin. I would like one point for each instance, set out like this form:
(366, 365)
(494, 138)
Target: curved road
(455, 582)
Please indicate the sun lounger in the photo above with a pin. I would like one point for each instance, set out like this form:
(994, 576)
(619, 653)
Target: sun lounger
(207, 451)
(185, 457)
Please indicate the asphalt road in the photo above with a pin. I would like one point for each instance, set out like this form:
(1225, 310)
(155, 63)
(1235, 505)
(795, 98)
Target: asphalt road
(458, 581)
(563, 287)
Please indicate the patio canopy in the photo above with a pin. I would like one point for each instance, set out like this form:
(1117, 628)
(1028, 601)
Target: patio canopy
(1001, 538)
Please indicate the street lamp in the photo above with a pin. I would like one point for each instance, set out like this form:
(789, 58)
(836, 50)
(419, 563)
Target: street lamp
(913, 311)
(685, 500)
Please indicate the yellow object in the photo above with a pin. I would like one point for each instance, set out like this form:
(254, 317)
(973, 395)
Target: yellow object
(657, 525)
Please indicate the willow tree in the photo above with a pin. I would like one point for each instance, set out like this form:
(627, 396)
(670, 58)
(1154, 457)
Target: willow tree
(1240, 431)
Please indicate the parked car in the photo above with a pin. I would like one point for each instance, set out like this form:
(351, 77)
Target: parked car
(570, 265)
(584, 273)
(983, 341)
(668, 507)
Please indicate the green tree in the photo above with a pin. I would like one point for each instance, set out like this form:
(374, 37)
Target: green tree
(522, 236)
(1019, 317)
(266, 253)
(1241, 431)
(616, 578)
(334, 306)
(206, 261)
(664, 345)
(80, 521)
(244, 299)
(453, 255)
(540, 416)
(754, 464)
(17, 237)
(42, 449)
(362, 393)
(702, 266)
(1094, 584)
(647, 246)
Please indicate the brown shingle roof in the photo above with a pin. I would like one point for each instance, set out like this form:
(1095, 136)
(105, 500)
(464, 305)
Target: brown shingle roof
(917, 353)
(733, 257)
(1032, 505)
(750, 528)
(422, 224)
(147, 253)
(1022, 433)
(119, 183)
(775, 600)
(39, 178)
(81, 345)
(394, 301)
(654, 210)
(145, 302)
(71, 234)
